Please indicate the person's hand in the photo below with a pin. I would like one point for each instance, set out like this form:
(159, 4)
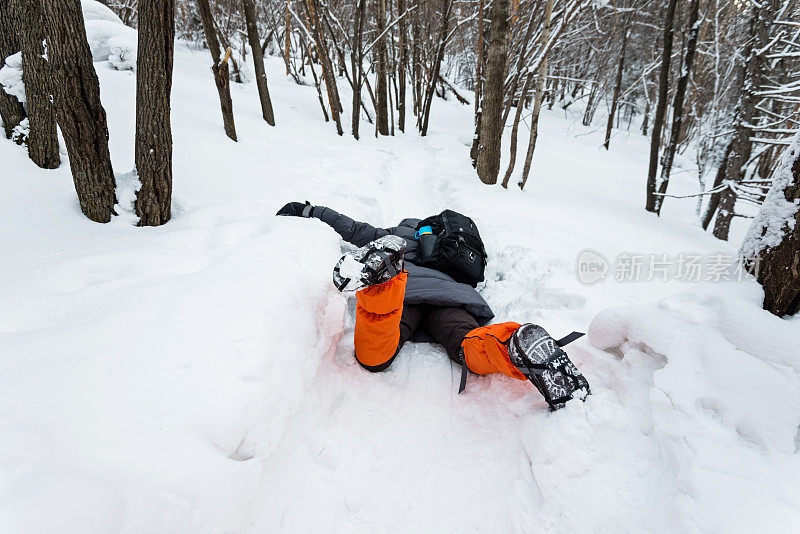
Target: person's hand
(296, 209)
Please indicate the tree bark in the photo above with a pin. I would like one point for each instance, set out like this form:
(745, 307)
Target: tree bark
(538, 97)
(381, 66)
(401, 72)
(491, 129)
(646, 117)
(713, 201)
(287, 45)
(11, 110)
(42, 139)
(520, 68)
(741, 145)
(778, 268)
(661, 106)
(617, 81)
(515, 130)
(328, 73)
(219, 68)
(476, 138)
(436, 67)
(677, 104)
(153, 130)
(258, 61)
(416, 62)
(76, 93)
(357, 64)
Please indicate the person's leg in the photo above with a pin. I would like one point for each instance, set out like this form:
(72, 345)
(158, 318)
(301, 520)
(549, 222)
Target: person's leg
(524, 352)
(379, 327)
(448, 326)
(484, 348)
(410, 320)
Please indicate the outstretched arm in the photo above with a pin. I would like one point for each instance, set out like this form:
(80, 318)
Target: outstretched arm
(355, 232)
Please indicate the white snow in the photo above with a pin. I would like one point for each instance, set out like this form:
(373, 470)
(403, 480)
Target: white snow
(11, 77)
(777, 215)
(199, 376)
(122, 51)
(109, 39)
(105, 37)
(94, 10)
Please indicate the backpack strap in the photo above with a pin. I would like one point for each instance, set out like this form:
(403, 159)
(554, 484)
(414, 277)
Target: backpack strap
(569, 338)
(445, 223)
(464, 372)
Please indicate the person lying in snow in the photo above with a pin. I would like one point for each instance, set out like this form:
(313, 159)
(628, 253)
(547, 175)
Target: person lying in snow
(397, 297)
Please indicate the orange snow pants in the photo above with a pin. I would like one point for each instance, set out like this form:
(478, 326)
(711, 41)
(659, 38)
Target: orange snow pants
(379, 309)
(486, 350)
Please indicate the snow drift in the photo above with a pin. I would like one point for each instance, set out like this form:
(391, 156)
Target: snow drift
(109, 39)
(11, 77)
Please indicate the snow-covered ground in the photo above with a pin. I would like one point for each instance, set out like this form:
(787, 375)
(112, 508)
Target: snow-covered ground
(199, 377)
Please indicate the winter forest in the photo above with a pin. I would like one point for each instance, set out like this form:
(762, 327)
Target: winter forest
(186, 365)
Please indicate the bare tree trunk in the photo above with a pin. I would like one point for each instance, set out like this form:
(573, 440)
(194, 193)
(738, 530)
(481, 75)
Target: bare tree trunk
(491, 128)
(520, 69)
(258, 61)
(713, 201)
(76, 93)
(316, 83)
(288, 34)
(588, 113)
(515, 130)
(661, 106)
(416, 63)
(479, 62)
(357, 63)
(646, 117)
(401, 73)
(328, 74)
(381, 66)
(42, 140)
(437, 64)
(538, 97)
(219, 68)
(741, 145)
(677, 104)
(476, 138)
(153, 129)
(11, 110)
(618, 80)
(778, 268)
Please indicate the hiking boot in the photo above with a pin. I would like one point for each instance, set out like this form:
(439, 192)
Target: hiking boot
(374, 263)
(537, 355)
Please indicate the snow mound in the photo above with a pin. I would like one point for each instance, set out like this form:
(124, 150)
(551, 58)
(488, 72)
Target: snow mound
(21, 131)
(179, 418)
(11, 77)
(723, 397)
(93, 10)
(109, 39)
(99, 32)
(123, 49)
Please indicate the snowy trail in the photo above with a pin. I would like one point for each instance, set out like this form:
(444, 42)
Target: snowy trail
(200, 376)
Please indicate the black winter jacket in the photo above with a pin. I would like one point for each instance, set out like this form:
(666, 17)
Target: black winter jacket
(425, 285)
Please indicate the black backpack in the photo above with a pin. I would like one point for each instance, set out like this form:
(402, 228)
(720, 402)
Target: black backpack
(458, 250)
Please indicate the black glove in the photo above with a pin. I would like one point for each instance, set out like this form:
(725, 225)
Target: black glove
(296, 209)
